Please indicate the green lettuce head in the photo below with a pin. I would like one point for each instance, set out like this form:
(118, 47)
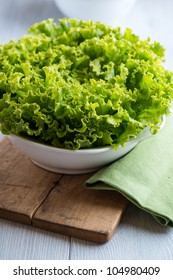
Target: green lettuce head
(82, 84)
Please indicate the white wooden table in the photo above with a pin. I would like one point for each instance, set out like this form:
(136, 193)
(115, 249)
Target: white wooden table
(138, 236)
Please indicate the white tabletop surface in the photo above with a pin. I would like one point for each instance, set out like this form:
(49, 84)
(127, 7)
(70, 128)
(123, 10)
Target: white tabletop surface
(138, 235)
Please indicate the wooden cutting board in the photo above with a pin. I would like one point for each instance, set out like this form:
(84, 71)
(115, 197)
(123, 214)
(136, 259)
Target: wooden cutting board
(55, 202)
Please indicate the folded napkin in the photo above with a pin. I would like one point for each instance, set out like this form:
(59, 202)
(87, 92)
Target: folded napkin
(144, 176)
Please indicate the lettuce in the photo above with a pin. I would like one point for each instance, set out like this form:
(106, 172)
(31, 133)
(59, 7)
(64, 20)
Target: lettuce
(80, 84)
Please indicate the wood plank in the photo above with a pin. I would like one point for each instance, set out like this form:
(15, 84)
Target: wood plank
(23, 186)
(55, 202)
(73, 210)
(23, 242)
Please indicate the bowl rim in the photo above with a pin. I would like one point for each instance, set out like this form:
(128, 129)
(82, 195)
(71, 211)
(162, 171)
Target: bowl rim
(80, 151)
(52, 148)
(146, 133)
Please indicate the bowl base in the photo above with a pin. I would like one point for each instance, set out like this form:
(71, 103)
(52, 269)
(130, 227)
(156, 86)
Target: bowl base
(65, 171)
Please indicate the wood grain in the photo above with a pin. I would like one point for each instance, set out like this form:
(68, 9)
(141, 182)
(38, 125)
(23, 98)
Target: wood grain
(87, 214)
(23, 186)
(55, 202)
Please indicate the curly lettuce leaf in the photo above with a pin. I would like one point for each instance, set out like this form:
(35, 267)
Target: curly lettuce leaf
(80, 84)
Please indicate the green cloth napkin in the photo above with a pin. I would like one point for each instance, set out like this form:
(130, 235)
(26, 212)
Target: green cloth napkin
(144, 176)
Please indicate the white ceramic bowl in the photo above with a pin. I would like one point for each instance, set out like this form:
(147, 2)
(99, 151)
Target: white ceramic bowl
(73, 162)
(110, 12)
(69, 161)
